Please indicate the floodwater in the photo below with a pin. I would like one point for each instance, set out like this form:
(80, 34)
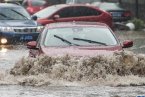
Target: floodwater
(72, 77)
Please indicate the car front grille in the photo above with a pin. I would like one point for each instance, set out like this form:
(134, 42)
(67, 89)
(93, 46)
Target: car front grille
(25, 29)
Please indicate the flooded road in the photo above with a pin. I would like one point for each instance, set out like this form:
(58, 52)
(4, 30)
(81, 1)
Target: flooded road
(12, 86)
(10, 54)
(58, 91)
(137, 37)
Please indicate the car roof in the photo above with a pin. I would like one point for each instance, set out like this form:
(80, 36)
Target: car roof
(8, 5)
(59, 6)
(107, 5)
(74, 24)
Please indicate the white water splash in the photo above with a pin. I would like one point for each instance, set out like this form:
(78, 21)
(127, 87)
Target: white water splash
(122, 68)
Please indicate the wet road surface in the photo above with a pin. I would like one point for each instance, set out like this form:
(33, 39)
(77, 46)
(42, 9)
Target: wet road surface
(9, 56)
(58, 91)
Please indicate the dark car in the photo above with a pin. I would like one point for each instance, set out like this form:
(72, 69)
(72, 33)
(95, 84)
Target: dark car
(16, 25)
(118, 13)
(81, 1)
(76, 39)
(66, 13)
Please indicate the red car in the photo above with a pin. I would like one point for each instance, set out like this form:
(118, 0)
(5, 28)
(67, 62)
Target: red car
(66, 13)
(33, 6)
(76, 39)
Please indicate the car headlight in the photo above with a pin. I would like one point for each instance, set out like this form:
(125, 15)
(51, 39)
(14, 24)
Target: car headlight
(40, 28)
(3, 40)
(6, 29)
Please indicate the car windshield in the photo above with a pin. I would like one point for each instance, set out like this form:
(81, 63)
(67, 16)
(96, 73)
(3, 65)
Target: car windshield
(49, 10)
(109, 6)
(82, 1)
(79, 36)
(13, 14)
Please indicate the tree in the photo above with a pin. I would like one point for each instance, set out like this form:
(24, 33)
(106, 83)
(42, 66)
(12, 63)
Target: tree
(136, 11)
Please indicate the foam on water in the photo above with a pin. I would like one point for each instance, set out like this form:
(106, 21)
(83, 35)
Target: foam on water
(122, 68)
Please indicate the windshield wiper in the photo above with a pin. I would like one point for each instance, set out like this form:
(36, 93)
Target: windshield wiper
(6, 16)
(90, 41)
(19, 14)
(64, 40)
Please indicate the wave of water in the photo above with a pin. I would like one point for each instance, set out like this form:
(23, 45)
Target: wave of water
(122, 68)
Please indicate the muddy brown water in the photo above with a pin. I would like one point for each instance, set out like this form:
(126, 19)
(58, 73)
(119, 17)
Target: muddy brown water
(72, 78)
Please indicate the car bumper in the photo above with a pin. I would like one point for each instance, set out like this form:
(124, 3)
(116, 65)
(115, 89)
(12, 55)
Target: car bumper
(121, 19)
(15, 37)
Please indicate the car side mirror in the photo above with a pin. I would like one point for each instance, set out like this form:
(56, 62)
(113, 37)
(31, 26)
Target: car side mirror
(55, 17)
(34, 17)
(127, 44)
(32, 45)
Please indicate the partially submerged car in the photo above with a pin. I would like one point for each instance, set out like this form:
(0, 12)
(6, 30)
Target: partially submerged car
(16, 25)
(72, 12)
(76, 39)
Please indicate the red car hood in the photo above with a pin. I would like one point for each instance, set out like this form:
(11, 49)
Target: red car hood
(80, 51)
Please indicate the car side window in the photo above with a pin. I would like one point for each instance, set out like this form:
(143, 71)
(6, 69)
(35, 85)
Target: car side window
(78, 11)
(66, 12)
(85, 11)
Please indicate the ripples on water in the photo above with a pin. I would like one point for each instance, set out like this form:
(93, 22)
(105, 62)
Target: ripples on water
(122, 68)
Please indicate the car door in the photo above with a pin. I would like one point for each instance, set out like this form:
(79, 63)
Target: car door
(65, 14)
(78, 13)
(84, 13)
